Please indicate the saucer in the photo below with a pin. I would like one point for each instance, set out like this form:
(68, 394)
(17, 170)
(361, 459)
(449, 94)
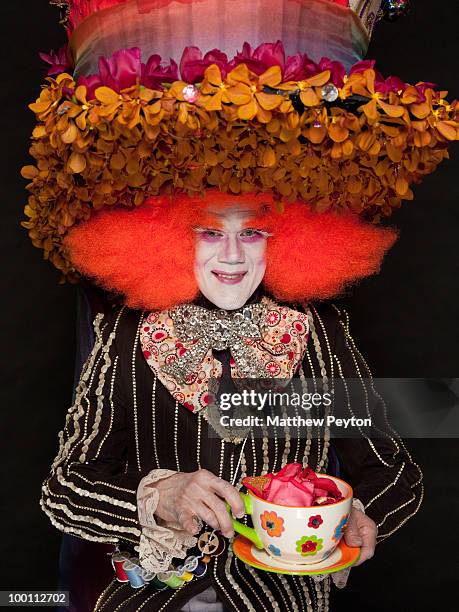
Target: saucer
(343, 556)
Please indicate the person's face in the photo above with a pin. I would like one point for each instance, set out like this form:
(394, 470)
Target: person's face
(230, 257)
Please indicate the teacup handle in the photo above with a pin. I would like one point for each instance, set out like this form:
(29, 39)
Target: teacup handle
(247, 532)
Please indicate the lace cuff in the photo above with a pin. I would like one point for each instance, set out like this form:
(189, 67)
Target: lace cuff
(160, 542)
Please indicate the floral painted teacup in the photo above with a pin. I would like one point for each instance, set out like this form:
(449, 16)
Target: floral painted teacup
(297, 535)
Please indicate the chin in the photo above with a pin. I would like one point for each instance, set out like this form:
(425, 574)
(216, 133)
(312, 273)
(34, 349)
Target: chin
(228, 300)
(229, 303)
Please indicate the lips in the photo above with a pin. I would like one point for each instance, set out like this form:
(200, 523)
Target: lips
(228, 278)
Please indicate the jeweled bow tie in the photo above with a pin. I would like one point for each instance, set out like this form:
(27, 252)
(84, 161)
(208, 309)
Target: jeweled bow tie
(219, 330)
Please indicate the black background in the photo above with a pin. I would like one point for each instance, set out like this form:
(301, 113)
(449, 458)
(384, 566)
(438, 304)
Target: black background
(404, 321)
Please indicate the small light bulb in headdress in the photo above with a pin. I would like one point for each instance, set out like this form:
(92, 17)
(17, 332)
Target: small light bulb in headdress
(393, 9)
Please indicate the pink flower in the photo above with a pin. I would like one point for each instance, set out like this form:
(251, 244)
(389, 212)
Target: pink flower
(122, 69)
(290, 492)
(91, 83)
(385, 86)
(58, 60)
(287, 490)
(299, 67)
(337, 70)
(362, 66)
(260, 59)
(153, 74)
(294, 486)
(193, 64)
(421, 89)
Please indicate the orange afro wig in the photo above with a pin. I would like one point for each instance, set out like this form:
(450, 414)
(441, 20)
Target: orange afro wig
(147, 253)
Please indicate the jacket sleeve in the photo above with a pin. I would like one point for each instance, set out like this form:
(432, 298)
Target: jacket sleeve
(378, 465)
(90, 492)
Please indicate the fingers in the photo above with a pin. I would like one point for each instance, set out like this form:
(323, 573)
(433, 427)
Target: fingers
(223, 517)
(225, 490)
(204, 512)
(191, 523)
(352, 536)
(204, 494)
(212, 510)
(361, 532)
(368, 543)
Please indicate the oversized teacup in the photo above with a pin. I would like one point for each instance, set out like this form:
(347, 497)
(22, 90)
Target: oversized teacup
(298, 535)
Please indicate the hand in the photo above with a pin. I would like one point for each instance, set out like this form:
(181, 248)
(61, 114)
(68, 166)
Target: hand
(361, 531)
(201, 493)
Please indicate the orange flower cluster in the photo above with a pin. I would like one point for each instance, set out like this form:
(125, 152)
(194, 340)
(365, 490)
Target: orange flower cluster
(241, 133)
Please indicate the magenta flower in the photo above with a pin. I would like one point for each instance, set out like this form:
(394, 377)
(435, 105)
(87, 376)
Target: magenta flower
(260, 59)
(337, 70)
(91, 82)
(122, 69)
(59, 61)
(362, 66)
(299, 67)
(421, 89)
(193, 64)
(385, 86)
(153, 74)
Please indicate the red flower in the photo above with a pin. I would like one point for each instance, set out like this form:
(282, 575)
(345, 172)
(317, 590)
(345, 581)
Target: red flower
(295, 486)
(385, 86)
(122, 69)
(360, 67)
(193, 64)
(308, 546)
(91, 82)
(299, 67)
(315, 521)
(337, 70)
(421, 89)
(153, 74)
(260, 59)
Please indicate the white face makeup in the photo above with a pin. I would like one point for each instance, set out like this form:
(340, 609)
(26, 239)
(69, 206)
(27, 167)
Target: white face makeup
(230, 258)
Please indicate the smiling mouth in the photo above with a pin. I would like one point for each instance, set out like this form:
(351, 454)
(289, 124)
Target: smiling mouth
(229, 278)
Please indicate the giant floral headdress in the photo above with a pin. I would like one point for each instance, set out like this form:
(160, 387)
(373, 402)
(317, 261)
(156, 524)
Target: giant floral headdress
(179, 96)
